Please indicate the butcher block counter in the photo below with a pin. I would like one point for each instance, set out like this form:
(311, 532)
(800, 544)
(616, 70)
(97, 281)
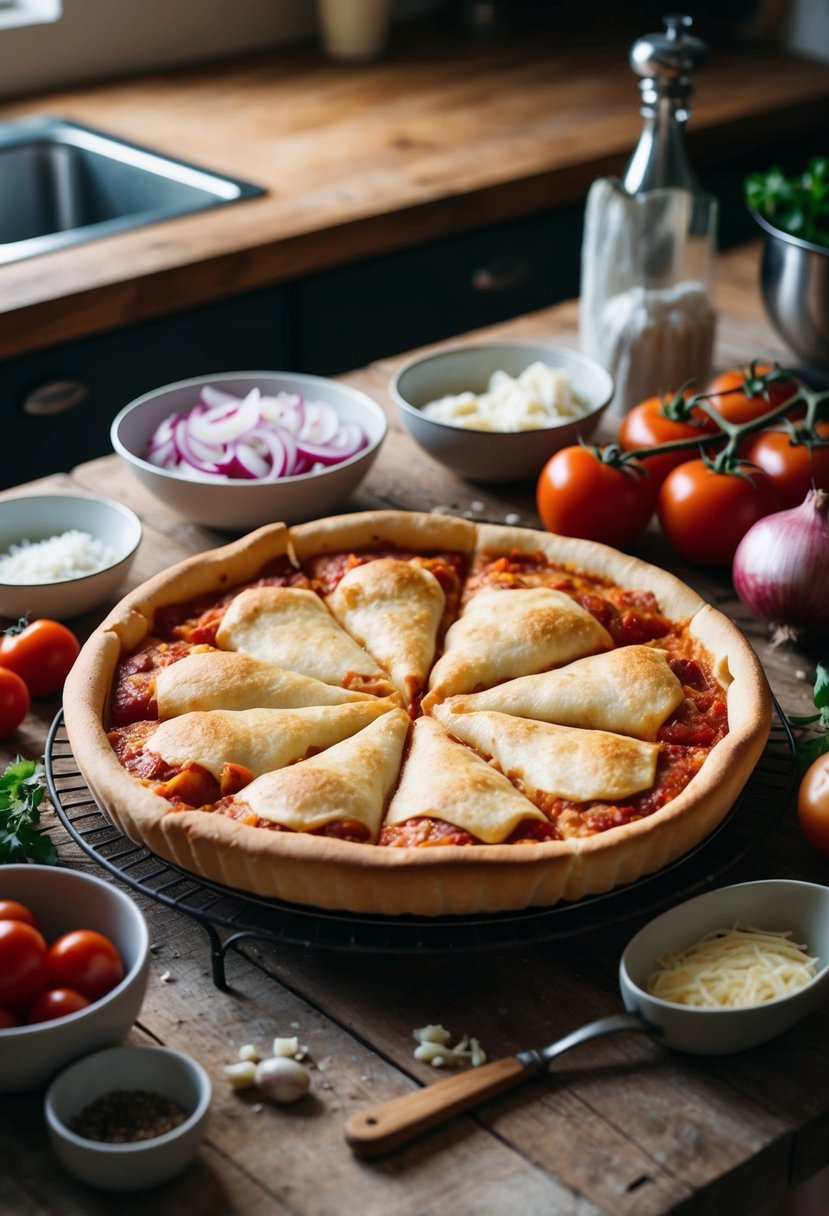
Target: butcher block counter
(622, 1126)
(445, 136)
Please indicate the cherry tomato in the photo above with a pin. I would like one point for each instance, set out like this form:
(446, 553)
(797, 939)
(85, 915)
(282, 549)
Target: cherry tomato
(23, 972)
(649, 424)
(7, 1019)
(41, 654)
(735, 406)
(705, 514)
(813, 804)
(579, 495)
(793, 468)
(10, 909)
(86, 961)
(56, 1003)
(14, 701)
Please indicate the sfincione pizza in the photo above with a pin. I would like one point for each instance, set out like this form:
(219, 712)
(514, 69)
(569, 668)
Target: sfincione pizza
(406, 713)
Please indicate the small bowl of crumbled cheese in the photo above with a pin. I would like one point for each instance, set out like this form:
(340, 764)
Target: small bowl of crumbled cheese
(498, 411)
(62, 555)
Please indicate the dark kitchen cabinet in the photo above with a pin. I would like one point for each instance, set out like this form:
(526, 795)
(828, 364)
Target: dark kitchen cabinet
(58, 404)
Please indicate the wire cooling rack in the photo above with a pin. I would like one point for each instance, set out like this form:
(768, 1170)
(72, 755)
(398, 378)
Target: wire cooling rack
(229, 916)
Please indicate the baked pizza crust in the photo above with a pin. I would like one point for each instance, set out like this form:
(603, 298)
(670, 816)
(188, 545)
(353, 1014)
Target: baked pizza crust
(449, 880)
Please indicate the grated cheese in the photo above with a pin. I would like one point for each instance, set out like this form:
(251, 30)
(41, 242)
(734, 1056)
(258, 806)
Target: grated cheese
(733, 968)
(540, 397)
(70, 555)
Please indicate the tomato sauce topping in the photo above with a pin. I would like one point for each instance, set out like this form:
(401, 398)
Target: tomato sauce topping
(198, 620)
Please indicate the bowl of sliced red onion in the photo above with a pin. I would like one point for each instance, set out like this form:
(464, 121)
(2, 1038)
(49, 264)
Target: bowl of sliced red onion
(239, 449)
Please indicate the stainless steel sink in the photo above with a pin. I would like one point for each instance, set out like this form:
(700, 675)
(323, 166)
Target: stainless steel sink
(62, 183)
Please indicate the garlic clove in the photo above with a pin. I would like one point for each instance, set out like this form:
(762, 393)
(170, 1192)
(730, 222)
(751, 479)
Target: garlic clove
(282, 1079)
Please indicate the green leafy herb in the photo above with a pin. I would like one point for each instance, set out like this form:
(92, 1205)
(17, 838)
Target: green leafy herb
(21, 793)
(797, 205)
(812, 748)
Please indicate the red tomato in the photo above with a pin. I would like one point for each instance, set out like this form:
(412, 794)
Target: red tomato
(23, 972)
(579, 495)
(56, 1003)
(10, 909)
(7, 1019)
(650, 423)
(705, 514)
(793, 468)
(813, 804)
(86, 961)
(41, 654)
(735, 406)
(14, 701)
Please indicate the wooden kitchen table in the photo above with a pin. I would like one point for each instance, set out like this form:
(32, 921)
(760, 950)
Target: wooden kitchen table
(621, 1126)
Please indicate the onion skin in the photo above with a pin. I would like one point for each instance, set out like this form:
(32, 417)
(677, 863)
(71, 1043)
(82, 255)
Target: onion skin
(781, 569)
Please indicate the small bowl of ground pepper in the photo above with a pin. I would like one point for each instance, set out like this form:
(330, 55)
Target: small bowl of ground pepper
(128, 1118)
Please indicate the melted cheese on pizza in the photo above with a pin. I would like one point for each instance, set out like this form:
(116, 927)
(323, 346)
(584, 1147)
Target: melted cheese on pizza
(502, 635)
(628, 691)
(557, 761)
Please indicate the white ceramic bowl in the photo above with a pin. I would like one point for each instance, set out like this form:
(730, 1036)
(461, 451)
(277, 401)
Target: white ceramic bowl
(142, 1163)
(38, 517)
(238, 505)
(774, 904)
(63, 900)
(494, 456)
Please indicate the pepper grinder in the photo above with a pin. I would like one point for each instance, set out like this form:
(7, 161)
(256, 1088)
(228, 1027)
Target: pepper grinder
(647, 312)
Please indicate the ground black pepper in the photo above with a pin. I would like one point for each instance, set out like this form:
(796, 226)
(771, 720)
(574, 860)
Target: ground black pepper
(126, 1115)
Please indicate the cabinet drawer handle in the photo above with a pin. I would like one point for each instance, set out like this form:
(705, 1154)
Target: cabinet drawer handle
(501, 275)
(55, 398)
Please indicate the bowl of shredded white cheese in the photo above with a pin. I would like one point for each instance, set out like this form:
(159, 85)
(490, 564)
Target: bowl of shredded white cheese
(496, 412)
(732, 968)
(62, 555)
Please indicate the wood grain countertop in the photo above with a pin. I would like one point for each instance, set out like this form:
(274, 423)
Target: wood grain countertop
(621, 1128)
(442, 137)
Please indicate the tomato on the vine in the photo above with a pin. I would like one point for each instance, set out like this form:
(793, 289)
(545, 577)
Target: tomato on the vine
(41, 653)
(705, 514)
(813, 804)
(22, 964)
(14, 701)
(731, 400)
(86, 961)
(793, 467)
(579, 494)
(661, 420)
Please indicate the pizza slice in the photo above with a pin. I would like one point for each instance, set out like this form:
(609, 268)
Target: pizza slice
(231, 679)
(394, 609)
(292, 628)
(447, 794)
(342, 792)
(629, 691)
(198, 757)
(550, 761)
(504, 634)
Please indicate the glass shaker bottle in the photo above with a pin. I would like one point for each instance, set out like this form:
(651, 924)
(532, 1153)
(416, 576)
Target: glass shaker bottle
(647, 312)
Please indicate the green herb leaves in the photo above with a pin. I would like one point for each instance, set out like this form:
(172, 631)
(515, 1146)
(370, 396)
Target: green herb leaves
(797, 205)
(812, 748)
(21, 793)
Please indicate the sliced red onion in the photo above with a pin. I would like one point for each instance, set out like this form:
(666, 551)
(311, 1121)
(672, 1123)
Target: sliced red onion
(255, 438)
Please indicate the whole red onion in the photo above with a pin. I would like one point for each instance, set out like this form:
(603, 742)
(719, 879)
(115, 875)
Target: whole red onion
(781, 569)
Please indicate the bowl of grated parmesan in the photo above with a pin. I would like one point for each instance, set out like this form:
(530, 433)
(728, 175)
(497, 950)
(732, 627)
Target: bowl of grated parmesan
(732, 968)
(62, 555)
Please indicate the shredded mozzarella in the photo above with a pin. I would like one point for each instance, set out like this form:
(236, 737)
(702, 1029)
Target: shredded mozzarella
(733, 968)
(70, 555)
(540, 397)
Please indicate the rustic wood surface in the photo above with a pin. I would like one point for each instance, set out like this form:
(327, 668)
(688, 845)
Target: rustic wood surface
(622, 1127)
(358, 162)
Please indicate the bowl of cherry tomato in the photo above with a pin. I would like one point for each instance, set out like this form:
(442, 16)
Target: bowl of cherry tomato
(74, 962)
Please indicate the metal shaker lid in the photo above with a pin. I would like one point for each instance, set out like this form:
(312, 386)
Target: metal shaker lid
(666, 59)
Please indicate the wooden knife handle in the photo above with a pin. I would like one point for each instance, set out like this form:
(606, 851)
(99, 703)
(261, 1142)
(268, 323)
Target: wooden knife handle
(384, 1127)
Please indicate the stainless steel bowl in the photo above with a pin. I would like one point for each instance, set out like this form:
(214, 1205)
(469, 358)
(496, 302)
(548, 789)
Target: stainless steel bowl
(795, 282)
